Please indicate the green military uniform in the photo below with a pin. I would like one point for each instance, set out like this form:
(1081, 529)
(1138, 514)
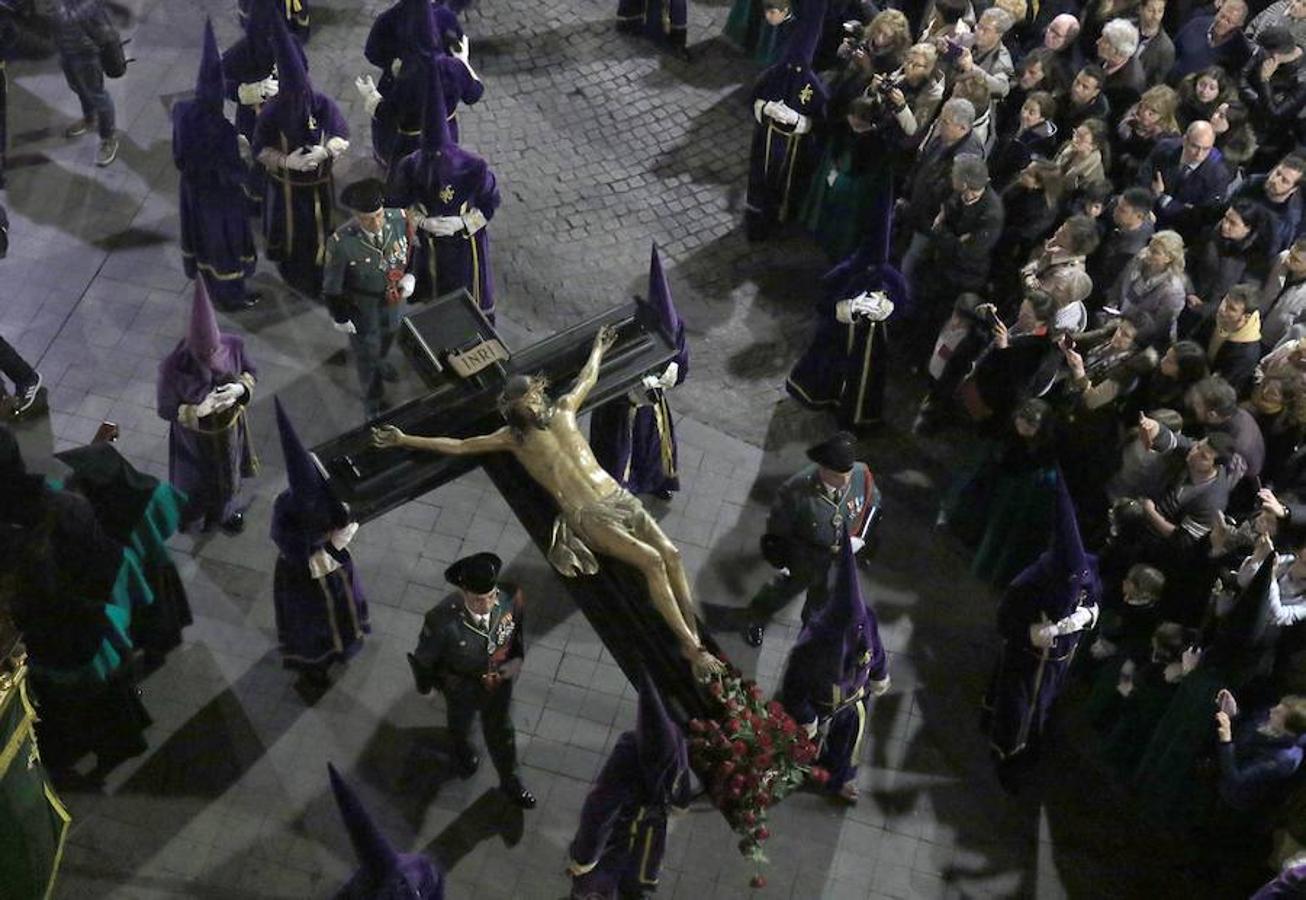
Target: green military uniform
(806, 527)
(361, 285)
(455, 653)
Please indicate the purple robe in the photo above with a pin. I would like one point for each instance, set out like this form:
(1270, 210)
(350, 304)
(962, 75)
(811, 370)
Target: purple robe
(623, 830)
(397, 122)
(207, 461)
(838, 702)
(636, 443)
(245, 62)
(297, 205)
(216, 240)
(1289, 885)
(319, 620)
(450, 185)
(660, 20)
(846, 365)
(778, 155)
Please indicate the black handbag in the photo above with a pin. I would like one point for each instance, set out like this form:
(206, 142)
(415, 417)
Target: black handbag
(113, 60)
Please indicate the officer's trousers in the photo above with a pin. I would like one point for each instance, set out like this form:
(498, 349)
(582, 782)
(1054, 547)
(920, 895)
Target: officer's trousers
(810, 576)
(496, 723)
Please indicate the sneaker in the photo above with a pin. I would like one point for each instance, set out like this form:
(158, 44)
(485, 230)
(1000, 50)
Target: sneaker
(108, 151)
(78, 128)
(26, 395)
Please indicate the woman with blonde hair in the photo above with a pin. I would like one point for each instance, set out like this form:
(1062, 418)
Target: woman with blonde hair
(1153, 283)
(1149, 121)
(886, 39)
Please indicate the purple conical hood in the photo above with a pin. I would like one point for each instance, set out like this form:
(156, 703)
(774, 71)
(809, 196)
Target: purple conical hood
(1066, 574)
(1067, 546)
(204, 338)
(292, 65)
(806, 34)
(209, 86)
(659, 295)
(435, 114)
(317, 509)
(663, 753)
(844, 635)
(376, 855)
(421, 34)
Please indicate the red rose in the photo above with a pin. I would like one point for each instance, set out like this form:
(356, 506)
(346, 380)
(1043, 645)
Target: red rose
(713, 725)
(697, 726)
(716, 690)
(775, 709)
(788, 726)
(762, 833)
(764, 740)
(819, 775)
(733, 726)
(725, 768)
(758, 882)
(755, 691)
(762, 761)
(749, 818)
(737, 781)
(739, 748)
(732, 705)
(764, 800)
(735, 793)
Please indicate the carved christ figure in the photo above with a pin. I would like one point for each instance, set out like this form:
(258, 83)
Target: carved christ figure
(596, 514)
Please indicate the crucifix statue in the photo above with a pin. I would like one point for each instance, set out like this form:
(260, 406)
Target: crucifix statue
(595, 514)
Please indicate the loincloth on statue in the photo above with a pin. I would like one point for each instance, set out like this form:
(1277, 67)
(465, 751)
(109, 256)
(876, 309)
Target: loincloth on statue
(620, 510)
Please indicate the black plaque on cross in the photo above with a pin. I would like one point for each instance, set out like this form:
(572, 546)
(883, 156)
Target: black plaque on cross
(439, 340)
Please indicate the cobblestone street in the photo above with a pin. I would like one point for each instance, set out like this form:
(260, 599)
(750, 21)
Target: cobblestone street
(601, 144)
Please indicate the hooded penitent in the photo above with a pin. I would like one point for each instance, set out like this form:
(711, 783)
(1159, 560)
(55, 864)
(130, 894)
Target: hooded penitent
(840, 645)
(1065, 575)
(203, 338)
(660, 303)
(316, 510)
(383, 873)
(663, 752)
(292, 107)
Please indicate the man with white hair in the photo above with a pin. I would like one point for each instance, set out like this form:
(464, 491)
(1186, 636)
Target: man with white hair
(930, 181)
(1190, 183)
(1212, 40)
(1117, 52)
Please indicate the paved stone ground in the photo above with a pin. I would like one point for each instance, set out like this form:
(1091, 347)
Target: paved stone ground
(601, 144)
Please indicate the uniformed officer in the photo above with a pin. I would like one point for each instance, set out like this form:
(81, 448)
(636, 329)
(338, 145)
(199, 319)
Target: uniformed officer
(365, 281)
(805, 529)
(472, 649)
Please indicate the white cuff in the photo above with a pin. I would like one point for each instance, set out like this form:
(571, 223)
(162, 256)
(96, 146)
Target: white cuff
(803, 125)
(321, 564)
(336, 145)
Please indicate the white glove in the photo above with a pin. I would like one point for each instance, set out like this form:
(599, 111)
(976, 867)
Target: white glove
(809, 728)
(345, 327)
(407, 285)
(250, 94)
(300, 160)
(336, 146)
(463, 49)
(443, 226)
(784, 570)
(222, 400)
(857, 543)
(651, 382)
(395, 67)
(781, 112)
(208, 406)
(473, 220)
(243, 148)
(1042, 636)
(233, 389)
(366, 88)
(772, 109)
(879, 688)
(1077, 620)
(670, 376)
(318, 154)
(341, 537)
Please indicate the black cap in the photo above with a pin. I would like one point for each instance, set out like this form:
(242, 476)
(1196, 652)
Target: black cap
(366, 196)
(1276, 39)
(836, 453)
(476, 574)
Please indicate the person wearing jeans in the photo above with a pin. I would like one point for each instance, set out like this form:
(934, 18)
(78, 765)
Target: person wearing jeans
(80, 27)
(27, 381)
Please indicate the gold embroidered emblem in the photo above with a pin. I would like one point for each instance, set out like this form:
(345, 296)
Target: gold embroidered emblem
(447, 194)
(805, 95)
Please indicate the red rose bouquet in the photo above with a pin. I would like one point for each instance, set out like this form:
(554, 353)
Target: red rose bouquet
(750, 756)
